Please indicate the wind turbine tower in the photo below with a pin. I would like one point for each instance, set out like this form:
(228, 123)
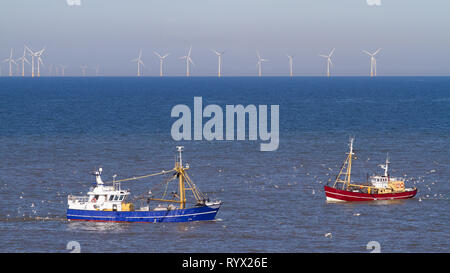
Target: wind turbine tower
(83, 69)
(219, 55)
(39, 60)
(63, 67)
(290, 57)
(97, 68)
(259, 63)
(23, 59)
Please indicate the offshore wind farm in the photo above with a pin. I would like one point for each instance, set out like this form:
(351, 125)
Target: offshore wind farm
(140, 64)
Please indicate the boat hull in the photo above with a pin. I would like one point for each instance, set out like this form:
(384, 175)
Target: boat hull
(203, 213)
(336, 195)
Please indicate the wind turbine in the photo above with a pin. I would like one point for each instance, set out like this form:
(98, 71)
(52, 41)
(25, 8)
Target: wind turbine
(83, 69)
(373, 62)
(188, 60)
(97, 68)
(10, 60)
(328, 61)
(161, 60)
(50, 69)
(63, 67)
(219, 54)
(290, 57)
(23, 59)
(139, 62)
(260, 61)
(32, 54)
(38, 55)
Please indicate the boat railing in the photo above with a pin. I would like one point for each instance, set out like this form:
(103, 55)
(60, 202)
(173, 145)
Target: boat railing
(78, 199)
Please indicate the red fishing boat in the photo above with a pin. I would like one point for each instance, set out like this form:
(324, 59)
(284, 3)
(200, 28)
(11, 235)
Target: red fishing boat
(380, 187)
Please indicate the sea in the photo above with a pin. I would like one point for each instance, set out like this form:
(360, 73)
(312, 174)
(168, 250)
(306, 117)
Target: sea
(55, 131)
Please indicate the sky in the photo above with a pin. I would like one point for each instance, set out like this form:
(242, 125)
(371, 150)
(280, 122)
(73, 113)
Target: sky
(413, 35)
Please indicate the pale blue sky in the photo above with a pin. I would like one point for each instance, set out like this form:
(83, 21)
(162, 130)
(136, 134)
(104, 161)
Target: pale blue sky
(414, 35)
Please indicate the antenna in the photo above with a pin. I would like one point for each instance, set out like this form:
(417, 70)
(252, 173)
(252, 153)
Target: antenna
(180, 150)
(98, 176)
(387, 165)
(352, 139)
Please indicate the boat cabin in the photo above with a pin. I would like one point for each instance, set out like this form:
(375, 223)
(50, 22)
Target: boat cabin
(101, 197)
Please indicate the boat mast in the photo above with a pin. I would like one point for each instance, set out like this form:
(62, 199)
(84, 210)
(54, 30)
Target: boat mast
(350, 156)
(180, 170)
(346, 168)
(185, 183)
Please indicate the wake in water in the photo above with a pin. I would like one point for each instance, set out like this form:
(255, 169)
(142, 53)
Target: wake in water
(29, 218)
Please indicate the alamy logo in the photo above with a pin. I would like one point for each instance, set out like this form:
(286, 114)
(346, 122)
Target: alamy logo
(213, 129)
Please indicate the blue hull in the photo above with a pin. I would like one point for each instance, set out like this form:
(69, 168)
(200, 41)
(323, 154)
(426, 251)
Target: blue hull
(179, 215)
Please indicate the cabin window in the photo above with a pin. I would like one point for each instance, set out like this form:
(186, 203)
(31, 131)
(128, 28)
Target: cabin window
(116, 197)
(111, 197)
(121, 198)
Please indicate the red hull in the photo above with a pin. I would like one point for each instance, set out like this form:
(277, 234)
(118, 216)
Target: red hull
(333, 194)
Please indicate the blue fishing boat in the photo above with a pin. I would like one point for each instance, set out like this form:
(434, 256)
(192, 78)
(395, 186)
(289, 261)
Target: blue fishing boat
(110, 203)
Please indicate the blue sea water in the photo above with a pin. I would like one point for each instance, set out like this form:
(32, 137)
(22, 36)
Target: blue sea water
(55, 131)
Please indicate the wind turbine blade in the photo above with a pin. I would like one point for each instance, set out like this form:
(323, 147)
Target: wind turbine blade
(378, 50)
(190, 49)
(156, 53)
(331, 53)
(190, 60)
(165, 55)
(368, 53)
(259, 56)
(321, 55)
